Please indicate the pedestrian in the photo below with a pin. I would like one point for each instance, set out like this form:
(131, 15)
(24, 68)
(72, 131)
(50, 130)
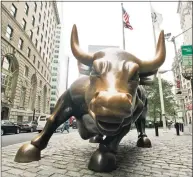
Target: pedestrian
(65, 127)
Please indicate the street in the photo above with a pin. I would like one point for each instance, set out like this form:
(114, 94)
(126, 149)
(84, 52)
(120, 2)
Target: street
(68, 155)
(10, 139)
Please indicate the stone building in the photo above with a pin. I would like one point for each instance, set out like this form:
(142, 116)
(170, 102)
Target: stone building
(185, 11)
(27, 30)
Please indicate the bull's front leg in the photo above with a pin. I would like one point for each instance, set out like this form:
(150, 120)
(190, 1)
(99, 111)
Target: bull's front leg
(32, 151)
(104, 158)
(143, 140)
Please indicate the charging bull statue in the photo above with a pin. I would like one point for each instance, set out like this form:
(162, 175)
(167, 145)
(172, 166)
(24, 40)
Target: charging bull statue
(105, 103)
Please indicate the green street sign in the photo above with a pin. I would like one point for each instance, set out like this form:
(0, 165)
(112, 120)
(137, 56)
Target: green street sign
(186, 55)
(186, 50)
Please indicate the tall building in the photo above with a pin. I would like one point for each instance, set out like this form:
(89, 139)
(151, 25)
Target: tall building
(83, 69)
(27, 31)
(55, 67)
(185, 12)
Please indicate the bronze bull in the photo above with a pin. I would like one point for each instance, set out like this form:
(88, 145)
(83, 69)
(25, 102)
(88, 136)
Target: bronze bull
(105, 103)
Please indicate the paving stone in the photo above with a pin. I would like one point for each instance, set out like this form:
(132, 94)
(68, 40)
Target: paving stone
(68, 155)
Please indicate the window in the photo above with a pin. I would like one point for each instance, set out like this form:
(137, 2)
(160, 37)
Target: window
(33, 20)
(9, 32)
(46, 33)
(54, 79)
(40, 84)
(26, 9)
(47, 51)
(53, 93)
(23, 25)
(55, 61)
(41, 5)
(48, 13)
(57, 46)
(28, 52)
(46, 60)
(45, 74)
(40, 50)
(35, 6)
(36, 43)
(46, 5)
(38, 30)
(43, 55)
(55, 56)
(38, 64)
(44, 44)
(44, 15)
(41, 37)
(20, 44)
(47, 23)
(31, 34)
(42, 70)
(26, 71)
(13, 10)
(56, 51)
(39, 18)
(34, 60)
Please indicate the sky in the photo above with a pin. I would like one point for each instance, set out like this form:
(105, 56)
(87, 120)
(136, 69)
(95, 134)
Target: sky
(100, 23)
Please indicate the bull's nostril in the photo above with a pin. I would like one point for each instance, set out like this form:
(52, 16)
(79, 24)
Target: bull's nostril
(96, 94)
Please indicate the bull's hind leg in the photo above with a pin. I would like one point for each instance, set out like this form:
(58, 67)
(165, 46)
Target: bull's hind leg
(143, 140)
(31, 151)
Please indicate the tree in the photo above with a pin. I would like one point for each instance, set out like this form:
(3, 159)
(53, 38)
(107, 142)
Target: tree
(154, 105)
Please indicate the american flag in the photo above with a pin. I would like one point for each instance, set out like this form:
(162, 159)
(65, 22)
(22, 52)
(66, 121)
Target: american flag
(126, 20)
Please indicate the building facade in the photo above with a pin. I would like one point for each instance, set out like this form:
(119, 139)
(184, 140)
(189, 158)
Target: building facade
(27, 31)
(185, 12)
(55, 68)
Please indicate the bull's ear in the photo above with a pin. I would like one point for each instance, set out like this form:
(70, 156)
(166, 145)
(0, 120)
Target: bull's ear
(147, 73)
(83, 69)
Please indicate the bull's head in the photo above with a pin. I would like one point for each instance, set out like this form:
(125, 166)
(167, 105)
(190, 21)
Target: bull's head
(114, 78)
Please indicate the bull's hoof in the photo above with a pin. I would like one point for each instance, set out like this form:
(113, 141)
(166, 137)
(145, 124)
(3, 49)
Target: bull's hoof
(27, 153)
(144, 142)
(96, 139)
(102, 161)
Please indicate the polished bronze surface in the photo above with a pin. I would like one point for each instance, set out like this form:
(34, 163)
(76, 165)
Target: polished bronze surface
(105, 103)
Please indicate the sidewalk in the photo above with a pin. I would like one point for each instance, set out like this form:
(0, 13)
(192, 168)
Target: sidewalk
(68, 155)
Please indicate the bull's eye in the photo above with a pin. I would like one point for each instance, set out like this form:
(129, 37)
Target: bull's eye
(94, 73)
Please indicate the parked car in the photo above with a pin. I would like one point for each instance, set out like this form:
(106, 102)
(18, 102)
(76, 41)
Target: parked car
(29, 126)
(42, 122)
(74, 124)
(9, 127)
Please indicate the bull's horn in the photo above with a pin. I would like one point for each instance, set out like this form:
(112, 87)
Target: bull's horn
(81, 56)
(147, 66)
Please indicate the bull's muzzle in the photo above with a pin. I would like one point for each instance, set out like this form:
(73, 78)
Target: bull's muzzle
(110, 109)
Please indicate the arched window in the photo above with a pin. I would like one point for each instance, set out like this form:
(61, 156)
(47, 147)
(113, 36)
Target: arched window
(9, 75)
(32, 96)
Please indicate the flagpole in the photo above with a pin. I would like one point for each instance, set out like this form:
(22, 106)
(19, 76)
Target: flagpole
(159, 81)
(123, 27)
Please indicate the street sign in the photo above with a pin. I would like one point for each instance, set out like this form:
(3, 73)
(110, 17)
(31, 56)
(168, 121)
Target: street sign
(186, 50)
(186, 55)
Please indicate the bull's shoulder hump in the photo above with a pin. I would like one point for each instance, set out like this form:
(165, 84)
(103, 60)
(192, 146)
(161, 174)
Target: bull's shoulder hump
(78, 88)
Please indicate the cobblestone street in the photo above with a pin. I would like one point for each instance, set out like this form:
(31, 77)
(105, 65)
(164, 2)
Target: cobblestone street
(68, 155)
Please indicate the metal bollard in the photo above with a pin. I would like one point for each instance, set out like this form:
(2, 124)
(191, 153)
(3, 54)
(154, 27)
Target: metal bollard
(182, 127)
(177, 129)
(156, 129)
